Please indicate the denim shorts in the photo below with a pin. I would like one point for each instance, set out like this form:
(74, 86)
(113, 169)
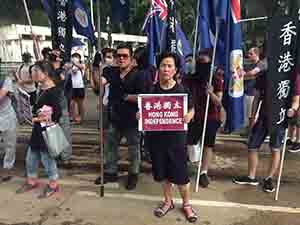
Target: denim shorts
(260, 131)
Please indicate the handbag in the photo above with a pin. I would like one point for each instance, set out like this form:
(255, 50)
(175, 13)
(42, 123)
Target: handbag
(55, 140)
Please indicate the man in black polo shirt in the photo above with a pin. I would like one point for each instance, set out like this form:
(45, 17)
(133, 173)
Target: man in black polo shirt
(125, 84)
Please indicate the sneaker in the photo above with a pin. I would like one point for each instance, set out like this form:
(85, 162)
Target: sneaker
(245, 180)
(132, 181)
(268, 185)
(294, 148)
(108, 178)
(203, 181)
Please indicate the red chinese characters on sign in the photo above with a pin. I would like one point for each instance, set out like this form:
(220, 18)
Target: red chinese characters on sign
(162, 112)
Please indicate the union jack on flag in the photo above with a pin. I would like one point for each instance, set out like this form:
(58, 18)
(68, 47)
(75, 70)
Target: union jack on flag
(160, 7)
(157, 8)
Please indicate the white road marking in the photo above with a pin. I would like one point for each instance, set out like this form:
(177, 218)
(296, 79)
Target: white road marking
(197, 202)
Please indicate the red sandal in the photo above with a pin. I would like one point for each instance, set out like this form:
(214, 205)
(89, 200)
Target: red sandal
(163, 209)
(191, 217)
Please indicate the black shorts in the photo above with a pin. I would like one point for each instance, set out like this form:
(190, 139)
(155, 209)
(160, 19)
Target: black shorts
(195, 133)
(169, 158)
(78, 93)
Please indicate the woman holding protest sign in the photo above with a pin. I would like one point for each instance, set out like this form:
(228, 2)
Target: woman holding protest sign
(46, 110)
(167, 148)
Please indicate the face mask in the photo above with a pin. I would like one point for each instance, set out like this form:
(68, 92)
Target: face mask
(189, 68)
(203, 69)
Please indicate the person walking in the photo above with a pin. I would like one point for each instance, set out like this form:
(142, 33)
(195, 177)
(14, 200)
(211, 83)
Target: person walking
(37, 150)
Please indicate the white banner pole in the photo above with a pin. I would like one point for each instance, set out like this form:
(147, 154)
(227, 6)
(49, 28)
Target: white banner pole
(281, 164)
(253, 19)
(207, 104)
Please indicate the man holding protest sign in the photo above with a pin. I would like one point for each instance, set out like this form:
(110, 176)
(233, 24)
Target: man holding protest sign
(279, 92)
(166, 134)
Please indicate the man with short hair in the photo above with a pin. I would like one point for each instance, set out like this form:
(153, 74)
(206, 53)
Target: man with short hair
(254, 69)
(260, 130)
(125, 84)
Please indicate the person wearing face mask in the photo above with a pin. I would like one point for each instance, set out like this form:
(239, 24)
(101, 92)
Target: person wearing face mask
(64, 83)
(125, 84)
(78, 92)
(103, 61)
(198, 85)
(189, 65)
(108, 61)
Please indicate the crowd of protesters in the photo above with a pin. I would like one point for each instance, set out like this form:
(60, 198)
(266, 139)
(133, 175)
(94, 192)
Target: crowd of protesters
(123, 75)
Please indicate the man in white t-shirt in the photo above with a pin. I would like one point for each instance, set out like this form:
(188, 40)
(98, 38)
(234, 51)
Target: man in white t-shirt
(24, 79)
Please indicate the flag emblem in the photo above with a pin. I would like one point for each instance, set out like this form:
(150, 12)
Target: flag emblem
(81, 17)
(236, 83)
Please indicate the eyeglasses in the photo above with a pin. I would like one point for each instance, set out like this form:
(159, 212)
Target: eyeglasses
(125, 56)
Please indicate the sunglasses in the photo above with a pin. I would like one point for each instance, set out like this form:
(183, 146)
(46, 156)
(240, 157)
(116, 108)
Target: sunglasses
(125, 56)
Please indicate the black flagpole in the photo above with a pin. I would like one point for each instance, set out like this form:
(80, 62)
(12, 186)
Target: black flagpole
(100, 104)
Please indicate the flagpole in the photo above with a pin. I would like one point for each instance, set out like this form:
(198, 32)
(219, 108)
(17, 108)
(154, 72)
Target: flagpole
(253, 19)
(28, 16)
(35, 43)
(100, 105)
(99, 24)
(92, 12)
(281, 164)
(207, 102)
(196, 31)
